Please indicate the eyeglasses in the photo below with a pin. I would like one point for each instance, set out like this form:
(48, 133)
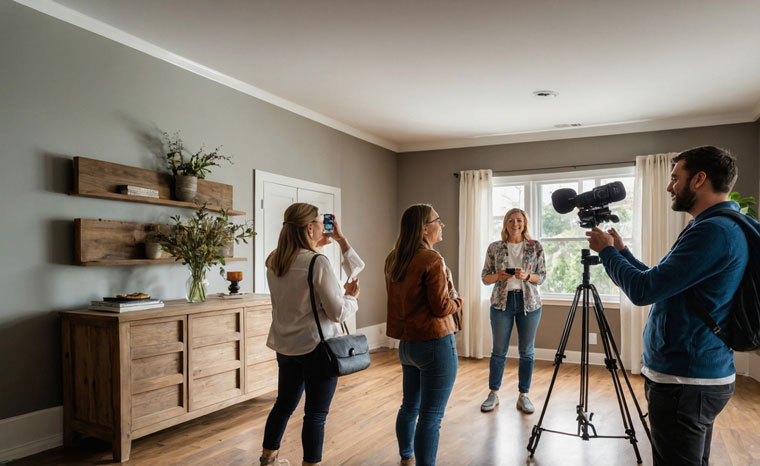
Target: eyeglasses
(437, 219)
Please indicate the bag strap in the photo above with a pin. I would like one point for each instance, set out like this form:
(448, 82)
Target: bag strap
(343, 325)
(313, 300)
(690, 293)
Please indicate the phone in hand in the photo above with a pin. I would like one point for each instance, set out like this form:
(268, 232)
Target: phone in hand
(510, 270)
(329, 223)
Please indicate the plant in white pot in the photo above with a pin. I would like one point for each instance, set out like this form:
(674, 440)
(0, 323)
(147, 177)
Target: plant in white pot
(152, 243)
(187, 171)
(197, 242)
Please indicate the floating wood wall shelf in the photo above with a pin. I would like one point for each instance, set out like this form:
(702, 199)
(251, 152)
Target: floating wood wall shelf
(101, 180)
(109, 242)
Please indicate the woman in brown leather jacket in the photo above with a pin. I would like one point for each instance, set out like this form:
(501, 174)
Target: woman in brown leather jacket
(421, 305)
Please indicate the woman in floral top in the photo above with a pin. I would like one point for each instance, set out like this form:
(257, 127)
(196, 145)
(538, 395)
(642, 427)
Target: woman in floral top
(514, 301)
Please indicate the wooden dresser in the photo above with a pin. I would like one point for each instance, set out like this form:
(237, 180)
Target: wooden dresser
(131, 374)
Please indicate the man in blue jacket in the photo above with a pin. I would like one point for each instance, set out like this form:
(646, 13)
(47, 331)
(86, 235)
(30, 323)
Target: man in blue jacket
(689, 371)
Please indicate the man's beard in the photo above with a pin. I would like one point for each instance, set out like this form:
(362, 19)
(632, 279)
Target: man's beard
(684, 201)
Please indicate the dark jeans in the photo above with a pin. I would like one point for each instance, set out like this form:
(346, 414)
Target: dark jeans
(681, 419)
(501, 329)
(297, 373)
(429, 369)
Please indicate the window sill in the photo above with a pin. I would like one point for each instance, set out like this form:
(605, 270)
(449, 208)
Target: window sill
(569, 302)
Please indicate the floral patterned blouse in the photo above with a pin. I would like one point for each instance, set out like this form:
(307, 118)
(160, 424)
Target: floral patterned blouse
(532, 261)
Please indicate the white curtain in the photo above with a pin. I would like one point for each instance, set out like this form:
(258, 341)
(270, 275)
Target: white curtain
(475, 192)
(655, 228)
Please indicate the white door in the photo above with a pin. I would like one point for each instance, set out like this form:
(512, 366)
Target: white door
(273, 194)
(325, 202)
(277, 198)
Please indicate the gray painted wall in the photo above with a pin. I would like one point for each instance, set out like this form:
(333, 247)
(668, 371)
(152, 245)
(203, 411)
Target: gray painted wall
(428, 177)
(67, 92)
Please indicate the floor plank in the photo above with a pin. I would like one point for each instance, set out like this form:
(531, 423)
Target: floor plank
(360, 427)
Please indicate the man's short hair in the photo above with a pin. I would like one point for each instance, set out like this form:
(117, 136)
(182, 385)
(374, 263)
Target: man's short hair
(718, 164)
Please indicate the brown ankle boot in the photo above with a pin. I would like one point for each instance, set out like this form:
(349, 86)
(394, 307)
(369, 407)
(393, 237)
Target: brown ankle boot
(407, 462)
(273, 461)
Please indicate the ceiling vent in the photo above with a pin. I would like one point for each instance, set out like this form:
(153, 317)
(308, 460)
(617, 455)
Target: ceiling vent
(545, 94)
(567, 125)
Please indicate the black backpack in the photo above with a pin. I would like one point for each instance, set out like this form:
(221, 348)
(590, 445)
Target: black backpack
(742, 331)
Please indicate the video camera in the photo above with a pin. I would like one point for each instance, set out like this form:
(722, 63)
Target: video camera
(592, 204)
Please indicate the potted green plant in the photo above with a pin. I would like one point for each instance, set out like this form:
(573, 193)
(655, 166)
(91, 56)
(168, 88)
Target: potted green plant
(152, 243)
(188, 170)
(746, 204)
(197, 242)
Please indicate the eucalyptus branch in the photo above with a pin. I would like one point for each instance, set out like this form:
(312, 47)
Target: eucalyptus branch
(197, 242)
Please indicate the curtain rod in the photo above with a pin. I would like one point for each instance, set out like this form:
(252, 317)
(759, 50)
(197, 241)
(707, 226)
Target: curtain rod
(574, 167)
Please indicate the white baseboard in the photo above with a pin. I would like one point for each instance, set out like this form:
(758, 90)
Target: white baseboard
(741, 363)
(754, 365)
(376, 337)
(31, 433)
(545, 354)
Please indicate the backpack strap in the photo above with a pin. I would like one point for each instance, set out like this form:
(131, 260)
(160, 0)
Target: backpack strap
(691, 295)
(705, 316)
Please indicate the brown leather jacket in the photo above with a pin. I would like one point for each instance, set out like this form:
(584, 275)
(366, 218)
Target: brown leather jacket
(419, 307)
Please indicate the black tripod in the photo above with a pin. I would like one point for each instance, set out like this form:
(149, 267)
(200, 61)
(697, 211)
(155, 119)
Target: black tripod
(611, 362)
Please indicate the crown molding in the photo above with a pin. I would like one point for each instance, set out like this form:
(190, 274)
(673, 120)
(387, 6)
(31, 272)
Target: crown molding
(583, 132)
(87, 23)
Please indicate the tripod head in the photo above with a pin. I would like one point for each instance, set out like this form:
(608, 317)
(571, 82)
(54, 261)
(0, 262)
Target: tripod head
(587, 259)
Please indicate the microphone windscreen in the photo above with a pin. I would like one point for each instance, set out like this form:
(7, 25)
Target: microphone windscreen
(617, 191)
(563, 200)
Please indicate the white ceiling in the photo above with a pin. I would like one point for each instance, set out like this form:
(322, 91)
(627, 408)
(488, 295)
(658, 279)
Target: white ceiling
(423, 74)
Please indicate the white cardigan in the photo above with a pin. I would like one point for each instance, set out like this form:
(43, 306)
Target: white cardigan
(293, 331)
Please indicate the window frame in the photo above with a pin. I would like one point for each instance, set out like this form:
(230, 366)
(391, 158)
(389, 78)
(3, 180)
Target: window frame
(531, 187)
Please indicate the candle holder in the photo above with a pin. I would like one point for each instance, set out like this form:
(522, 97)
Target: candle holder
(234, 278)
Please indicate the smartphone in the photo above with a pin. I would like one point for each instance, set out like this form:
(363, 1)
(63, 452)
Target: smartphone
(510, 270)
(329, 225)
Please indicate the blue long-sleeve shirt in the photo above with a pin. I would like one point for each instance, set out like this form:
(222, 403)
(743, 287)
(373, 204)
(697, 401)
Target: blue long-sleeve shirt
(710, 255)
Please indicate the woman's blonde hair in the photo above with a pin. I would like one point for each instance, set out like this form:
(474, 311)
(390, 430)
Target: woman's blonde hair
(525, 234)
(293, 237)
(410, 239)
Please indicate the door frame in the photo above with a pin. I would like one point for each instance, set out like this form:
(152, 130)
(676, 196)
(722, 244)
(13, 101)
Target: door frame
(259, 178)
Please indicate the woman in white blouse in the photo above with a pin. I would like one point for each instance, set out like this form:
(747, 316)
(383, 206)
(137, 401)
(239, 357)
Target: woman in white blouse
(294, 335)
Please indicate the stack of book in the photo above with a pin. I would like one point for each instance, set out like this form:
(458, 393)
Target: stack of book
(115, 305)
(130, 190)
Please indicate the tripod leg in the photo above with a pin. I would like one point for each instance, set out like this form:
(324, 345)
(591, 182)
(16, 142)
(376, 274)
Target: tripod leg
(583, 416)
(608, 342)
(558, 357)
(614, 347)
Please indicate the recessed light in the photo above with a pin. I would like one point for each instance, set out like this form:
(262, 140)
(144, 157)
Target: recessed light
(545, 94)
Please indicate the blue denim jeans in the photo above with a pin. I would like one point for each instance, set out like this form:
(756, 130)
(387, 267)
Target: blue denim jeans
(681, 420)
(296, 374)
(501, 329)
(429, 369)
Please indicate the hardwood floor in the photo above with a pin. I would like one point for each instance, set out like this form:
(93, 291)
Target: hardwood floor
(360, 427)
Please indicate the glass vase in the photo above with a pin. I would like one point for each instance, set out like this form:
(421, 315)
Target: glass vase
(196, 286)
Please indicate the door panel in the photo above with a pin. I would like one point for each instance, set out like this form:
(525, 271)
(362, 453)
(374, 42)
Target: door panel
(325, 202)
(277, 198)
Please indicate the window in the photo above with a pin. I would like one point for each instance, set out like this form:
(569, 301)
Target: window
(560, 235)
